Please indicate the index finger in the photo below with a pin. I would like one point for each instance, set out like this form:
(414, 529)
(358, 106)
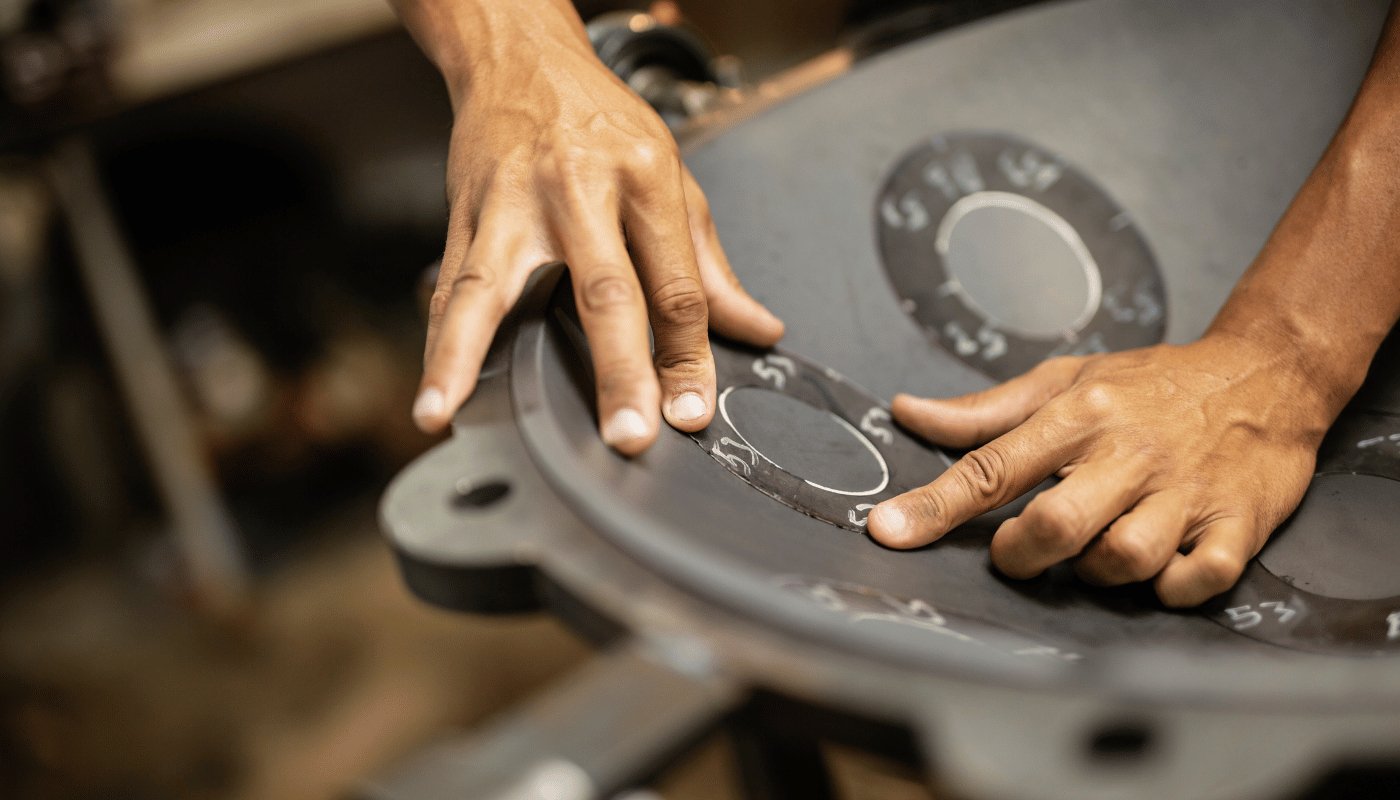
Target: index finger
(984, 479)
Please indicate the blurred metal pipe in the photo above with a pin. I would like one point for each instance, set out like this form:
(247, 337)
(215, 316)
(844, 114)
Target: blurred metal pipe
(204, 533)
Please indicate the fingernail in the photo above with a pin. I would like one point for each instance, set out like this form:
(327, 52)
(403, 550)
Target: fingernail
(892, 521)
(429, 407)
(625, 425)
(687, 407)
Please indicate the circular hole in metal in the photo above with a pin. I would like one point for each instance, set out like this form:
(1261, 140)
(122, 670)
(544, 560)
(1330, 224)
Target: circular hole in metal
(811, 443)
(1019, 264)
(1119, 741)
(1341, 542)
(477, 495)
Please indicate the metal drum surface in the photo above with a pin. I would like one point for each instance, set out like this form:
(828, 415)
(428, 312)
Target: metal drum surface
(1199, 121)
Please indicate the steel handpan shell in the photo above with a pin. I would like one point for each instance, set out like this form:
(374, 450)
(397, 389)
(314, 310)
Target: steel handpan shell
(1205, 183)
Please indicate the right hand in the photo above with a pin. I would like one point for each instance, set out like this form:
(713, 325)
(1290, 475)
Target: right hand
(553, 159)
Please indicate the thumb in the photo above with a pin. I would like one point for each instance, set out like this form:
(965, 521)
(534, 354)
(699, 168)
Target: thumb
(972, 419)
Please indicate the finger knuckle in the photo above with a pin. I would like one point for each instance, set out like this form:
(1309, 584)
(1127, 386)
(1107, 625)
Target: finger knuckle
(619, 379)
(483, 287)
(647, 158)
(1100, 400)
(1068, 509)
(437, 305)
(1048, 529)
(680, 302)
(473, 277)
(561, 167)
(682, 362)
(607, 290)
(983, 472)
(1129, 555)
(1218, 570)
(928, 509)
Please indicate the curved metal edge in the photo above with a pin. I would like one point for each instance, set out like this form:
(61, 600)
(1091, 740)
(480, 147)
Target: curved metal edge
(967, 735)
(1102, 748)
(1262, 684)
(963, 728)
(1194, 710)
(465, 555)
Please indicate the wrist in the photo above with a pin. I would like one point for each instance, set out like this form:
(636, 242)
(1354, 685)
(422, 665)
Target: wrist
(1320, 373)
(1323, 293)
(482, 43)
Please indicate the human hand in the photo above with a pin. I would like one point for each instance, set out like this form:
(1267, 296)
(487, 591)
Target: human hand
(554, 159)
(1177, 463)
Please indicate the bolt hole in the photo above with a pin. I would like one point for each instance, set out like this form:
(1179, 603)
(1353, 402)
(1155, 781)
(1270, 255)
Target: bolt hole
(1120, 742)
(477, 495)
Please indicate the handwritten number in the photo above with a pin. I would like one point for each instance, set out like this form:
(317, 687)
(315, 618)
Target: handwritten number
(989, 342)
(860, 514)
(955, 178)
(1281, 609)
(735, 461)
(774, 369)
(1139, 306)
(873, 424)
(908, 213)
(1393, 438)
(1244, 617)
(1030, 170)
(993, 343)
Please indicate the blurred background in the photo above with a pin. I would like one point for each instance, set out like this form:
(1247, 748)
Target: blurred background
(215, 220)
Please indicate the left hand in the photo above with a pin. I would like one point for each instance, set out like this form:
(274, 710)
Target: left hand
(1177, 463)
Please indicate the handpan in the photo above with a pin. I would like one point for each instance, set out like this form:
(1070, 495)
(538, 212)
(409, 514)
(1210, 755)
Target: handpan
(1074, 178)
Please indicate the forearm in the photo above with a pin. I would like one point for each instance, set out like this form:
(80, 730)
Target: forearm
(472, 40)
(1325, 289)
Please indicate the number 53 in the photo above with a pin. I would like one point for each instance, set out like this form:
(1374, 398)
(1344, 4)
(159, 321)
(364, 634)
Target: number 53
(1245, 617)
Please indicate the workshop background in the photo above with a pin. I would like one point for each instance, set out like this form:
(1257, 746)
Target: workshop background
(196, 599)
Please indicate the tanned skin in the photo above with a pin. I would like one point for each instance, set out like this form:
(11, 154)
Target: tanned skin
(553, 159)
(1177, 461)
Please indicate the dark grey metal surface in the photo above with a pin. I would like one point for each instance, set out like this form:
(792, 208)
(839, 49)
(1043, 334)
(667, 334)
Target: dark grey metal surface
(1200, 118)
(808, 190)
(1006, 254)
(1359, 559)
(803, 435)
(682, 513)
